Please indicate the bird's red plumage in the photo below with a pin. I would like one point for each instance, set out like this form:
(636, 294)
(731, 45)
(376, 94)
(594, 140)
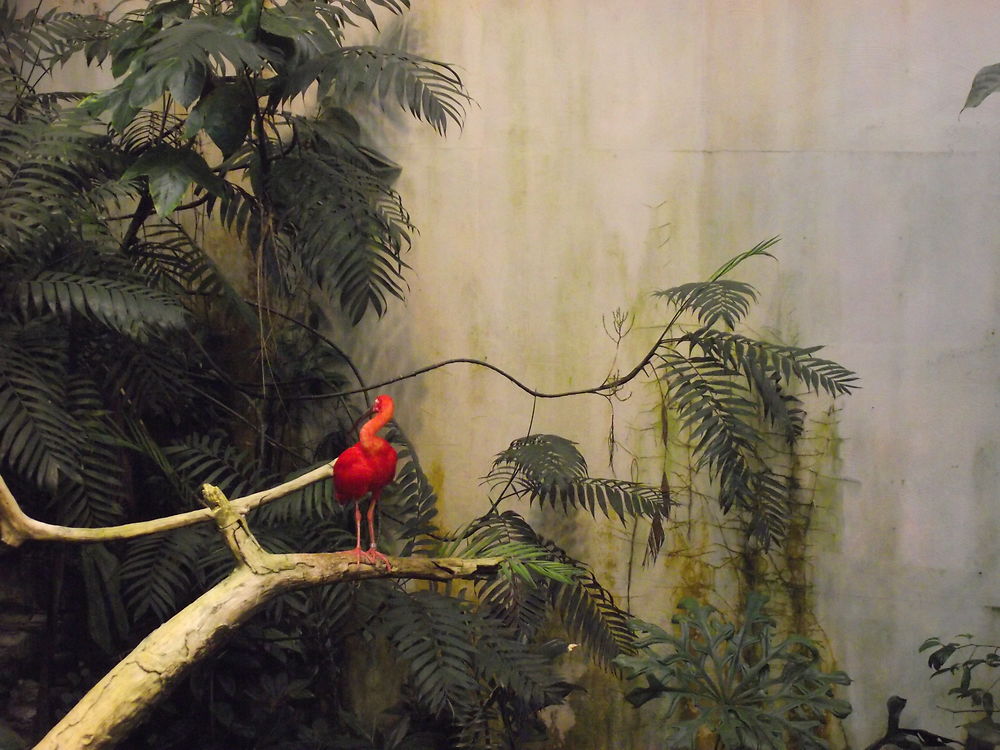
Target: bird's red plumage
(367, 467)
(358, 472)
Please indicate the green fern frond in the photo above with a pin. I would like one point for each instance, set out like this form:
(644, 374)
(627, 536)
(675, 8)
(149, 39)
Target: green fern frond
(768, 514)
(530, 562)
(760, 249)
(168, 257)
(712, 301)
(617, 497)
(46, 38)
(149, 128)
(154, 377)
(505, 662)
(549, 469)
(526, 555)
(588, 611)
(39, 438)
(213, 459)
(302, 535)
(162, 572)
(96, 499)
(239, 210)
(516, 604)
(713, 405)
(431, 634)
(411, 501)
(128, 308)
(312, 503)
(350, 229)
(512, 600)
(107, 619)
(591, 617)
(540, 462)
(429, 90)
(789, 362)
(44, 172)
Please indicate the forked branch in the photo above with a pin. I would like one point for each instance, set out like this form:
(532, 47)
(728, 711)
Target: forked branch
(16, 527)
(126, 694)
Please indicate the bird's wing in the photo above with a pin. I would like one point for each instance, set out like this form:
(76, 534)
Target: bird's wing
(352, 475)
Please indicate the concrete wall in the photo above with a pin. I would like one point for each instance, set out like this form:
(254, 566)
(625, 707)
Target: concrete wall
(618, 148)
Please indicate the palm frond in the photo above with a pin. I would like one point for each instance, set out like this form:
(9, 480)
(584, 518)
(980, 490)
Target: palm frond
(107, 618)
(239, 211)
(429, 90)
(739, 353)
(515, 603)
(431, 634)
(312, 503)
(543, 461)
(96, 499)
(518, 602)
(549, 469)
(505, 662)
(588, 611)
(350, 229)
(591, 617)
(712, 301)
(43, 175)
(760, 249)
(152, 377)
(163, 571)
(46, 38)
(168, 257)
(213, 459)
(149, 128)
(39, 437)
(714, 405)
(126, 307)
(411, 501)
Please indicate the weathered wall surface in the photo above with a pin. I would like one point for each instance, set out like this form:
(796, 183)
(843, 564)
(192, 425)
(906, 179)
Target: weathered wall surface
(615, 149)
(618, 148)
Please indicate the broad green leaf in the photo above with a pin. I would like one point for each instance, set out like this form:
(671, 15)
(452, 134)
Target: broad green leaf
(187, 82)
(225, 115)
(171, 172)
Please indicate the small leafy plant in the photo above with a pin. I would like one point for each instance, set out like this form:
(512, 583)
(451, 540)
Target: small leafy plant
(947, 658)
(738, 683)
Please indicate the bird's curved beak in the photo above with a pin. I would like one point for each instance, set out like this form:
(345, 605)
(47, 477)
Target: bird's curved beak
(367, 414)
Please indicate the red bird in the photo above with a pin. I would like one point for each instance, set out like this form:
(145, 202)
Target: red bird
(367, 467)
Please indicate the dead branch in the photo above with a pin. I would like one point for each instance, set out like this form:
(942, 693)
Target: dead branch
(120, 700)
(16, 527)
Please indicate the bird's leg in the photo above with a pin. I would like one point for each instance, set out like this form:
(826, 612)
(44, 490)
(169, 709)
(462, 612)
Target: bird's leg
(373, 553)
(358, 553)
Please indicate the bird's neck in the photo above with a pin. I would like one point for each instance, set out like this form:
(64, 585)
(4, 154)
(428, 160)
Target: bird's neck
(368, 439)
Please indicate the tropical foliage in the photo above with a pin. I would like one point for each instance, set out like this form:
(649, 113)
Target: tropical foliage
(132, 370)
(744, 685)
(971, 663)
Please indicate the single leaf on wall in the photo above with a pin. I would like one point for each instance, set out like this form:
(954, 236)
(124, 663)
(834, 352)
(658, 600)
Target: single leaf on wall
(986, 81)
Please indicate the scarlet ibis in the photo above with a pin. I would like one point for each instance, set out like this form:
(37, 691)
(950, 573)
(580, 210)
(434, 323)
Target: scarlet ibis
(367, 467)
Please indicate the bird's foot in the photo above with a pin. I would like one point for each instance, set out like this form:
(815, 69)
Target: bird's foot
(357, 555)
(374, 556)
